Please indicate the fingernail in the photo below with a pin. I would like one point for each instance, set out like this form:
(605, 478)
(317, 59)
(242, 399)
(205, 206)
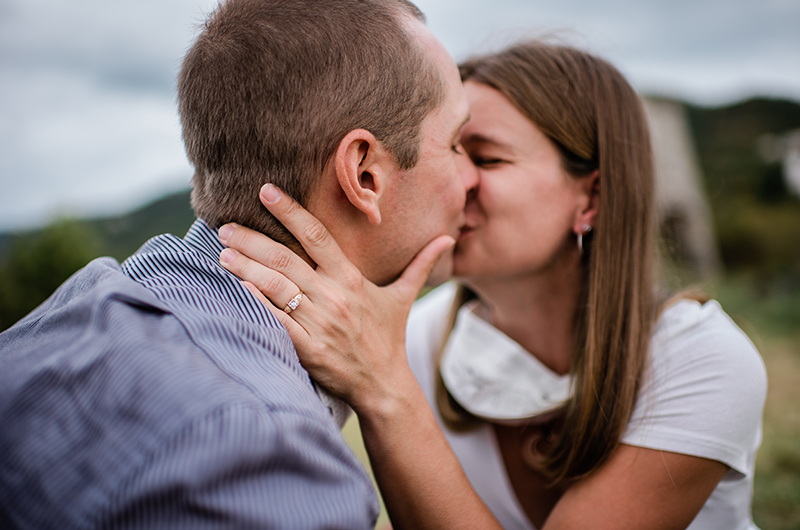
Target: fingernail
(225, 232)
(227, 255)
(270, 193)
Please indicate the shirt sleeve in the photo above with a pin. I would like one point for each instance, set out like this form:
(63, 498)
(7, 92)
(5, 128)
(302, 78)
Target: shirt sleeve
(240, 467)
(703, 392)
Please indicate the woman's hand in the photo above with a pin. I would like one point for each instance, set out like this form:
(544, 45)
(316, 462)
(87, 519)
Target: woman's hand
(350, 336)
(349, 333)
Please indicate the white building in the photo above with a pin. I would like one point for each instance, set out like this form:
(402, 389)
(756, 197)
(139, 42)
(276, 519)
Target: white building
(683, 212)
(784, 148)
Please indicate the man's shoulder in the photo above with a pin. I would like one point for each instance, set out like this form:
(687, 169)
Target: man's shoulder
(221, 317)
(101, 324)
(104, 324)
(72, 306)
(103, 376)
(104, 335)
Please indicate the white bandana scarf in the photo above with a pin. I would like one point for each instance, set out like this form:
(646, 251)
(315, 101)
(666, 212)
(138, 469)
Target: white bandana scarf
(494, 378)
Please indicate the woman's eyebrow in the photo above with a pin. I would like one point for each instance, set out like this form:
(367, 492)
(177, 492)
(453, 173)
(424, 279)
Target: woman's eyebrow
(457, 132)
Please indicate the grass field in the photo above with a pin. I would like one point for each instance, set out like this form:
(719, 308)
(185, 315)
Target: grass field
(772, 320)
(776, 499)
(771, 317)
(352, 434)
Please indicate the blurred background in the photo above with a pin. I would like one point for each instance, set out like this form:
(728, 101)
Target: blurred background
(91, 161)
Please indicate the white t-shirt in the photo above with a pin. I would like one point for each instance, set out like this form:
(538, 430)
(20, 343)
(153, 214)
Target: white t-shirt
(703, 395)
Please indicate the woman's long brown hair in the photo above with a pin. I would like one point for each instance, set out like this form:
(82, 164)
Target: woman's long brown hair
(595, 119)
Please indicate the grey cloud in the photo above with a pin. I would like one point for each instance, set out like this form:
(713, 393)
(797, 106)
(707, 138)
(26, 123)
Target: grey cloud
(87, 117)
(120, 43)
(704, 47)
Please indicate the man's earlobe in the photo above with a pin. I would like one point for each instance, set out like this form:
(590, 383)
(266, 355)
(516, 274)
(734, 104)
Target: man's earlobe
(360, 168)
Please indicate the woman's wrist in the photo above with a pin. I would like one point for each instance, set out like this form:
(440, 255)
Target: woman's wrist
(386, 400)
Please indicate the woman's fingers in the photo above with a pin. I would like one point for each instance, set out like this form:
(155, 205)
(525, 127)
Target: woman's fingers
(408, 285)
(274, 291)
(257, 258)
(348, 331)
(261, 298)
(297, 333)
(312, 235)
(274, 285)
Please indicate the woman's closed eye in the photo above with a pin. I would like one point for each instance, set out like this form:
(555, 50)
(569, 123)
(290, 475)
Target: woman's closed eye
(487, 161)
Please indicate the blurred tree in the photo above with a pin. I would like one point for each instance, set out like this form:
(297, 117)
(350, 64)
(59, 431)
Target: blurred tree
(36, 265)
(727, 142)
(756, 218)
(772, 184)
(761, 237)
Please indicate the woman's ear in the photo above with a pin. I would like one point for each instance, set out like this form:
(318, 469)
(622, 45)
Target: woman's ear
(362, 167)
(590, 201)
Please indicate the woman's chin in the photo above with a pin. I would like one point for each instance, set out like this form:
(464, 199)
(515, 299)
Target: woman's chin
(463, 270)
(442, 270)
(468, 261)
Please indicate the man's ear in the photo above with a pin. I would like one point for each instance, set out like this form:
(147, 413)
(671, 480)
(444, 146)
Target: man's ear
(362, 168)
(590, 200)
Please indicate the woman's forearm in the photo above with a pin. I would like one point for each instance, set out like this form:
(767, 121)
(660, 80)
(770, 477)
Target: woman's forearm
(421, 480)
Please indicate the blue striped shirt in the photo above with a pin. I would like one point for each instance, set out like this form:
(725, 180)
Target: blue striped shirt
(161, 394)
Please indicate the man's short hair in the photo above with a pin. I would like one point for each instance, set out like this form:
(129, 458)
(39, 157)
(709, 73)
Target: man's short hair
(271, 87)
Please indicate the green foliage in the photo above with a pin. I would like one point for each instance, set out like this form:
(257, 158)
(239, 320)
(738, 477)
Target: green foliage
(759, 311)
(756, 219)
(776, 492)
(759, 236)
(727, 144)
(36, 265)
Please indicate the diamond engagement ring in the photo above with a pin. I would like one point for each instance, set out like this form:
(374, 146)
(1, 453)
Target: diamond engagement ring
(293, 303)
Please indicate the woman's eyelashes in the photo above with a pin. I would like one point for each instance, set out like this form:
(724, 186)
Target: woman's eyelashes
(485, 157)
(486, 161)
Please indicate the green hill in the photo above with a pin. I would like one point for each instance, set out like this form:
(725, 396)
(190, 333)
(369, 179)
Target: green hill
(121, 236)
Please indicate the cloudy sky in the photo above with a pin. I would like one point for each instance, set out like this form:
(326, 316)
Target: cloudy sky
(87, 100)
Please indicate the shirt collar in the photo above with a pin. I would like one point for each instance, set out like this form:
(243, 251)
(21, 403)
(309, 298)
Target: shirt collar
(204, 239)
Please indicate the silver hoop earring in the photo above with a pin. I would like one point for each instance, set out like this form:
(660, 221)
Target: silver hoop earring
(585, 229)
